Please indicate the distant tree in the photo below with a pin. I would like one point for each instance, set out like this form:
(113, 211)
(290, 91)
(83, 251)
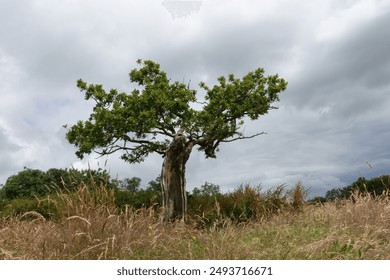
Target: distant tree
(155, 185)
(207, 188)
(334, 194)
(34, 182)
(374, 186)
(26, 183)
(132, 185)
(60, 178)
(158, 117)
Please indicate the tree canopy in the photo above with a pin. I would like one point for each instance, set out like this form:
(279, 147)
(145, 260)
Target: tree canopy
(145, 120)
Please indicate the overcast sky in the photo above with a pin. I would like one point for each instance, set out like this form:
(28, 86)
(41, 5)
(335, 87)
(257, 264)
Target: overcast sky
(333, 120)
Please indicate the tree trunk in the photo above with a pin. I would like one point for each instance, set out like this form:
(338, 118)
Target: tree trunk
(173, 183)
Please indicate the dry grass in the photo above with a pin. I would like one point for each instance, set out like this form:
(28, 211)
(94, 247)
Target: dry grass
(91, 228)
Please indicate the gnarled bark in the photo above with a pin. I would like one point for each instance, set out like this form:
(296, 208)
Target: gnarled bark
(173, 178)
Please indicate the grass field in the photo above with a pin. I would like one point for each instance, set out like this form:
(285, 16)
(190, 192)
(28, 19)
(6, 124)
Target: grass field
(90, 227)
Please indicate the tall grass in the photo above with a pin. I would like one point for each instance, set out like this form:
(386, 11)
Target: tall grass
(86, 224)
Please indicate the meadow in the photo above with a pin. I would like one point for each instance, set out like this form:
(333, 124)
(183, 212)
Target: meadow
(88, 224)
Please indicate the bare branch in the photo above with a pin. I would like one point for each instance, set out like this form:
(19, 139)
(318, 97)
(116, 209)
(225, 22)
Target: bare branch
(243, 137)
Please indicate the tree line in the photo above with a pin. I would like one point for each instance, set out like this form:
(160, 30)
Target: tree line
(375, 186)
(31, 183)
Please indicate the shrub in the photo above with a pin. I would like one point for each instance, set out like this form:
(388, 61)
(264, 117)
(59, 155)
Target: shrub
(244, 204)
(19, 206)
(131, 194)
(298, 196)
(30, 183)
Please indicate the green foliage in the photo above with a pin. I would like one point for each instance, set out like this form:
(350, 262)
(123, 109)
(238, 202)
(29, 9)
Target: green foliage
(20, 206)
(375, 186)
(31, 183)
(27, 183)
(334, 194)
(130, 184)
(244, 204)
(63, 201)
(155, 185)
(207, 188)
(2, 193)
(139, 197)
(160, 108)
(146, 119)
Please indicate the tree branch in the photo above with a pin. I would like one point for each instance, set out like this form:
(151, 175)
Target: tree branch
(132, 140)
(243, 137)
(162, 131)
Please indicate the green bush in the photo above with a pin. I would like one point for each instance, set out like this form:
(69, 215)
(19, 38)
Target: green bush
(30, 183)
(130, 193)
(17, 207)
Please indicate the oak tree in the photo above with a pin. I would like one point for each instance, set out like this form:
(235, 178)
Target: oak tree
(160, 116)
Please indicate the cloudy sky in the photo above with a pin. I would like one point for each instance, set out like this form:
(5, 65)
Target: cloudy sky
(333, 120)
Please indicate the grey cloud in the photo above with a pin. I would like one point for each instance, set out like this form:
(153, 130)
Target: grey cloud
(349, 70)
(229, 47)
(332, 118)
(7, 149)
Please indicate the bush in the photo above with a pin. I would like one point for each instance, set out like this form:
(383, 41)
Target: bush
(244, 204)
(65, 201)
(132, 195)
(298, 196)
(20, 206)
(31, 183)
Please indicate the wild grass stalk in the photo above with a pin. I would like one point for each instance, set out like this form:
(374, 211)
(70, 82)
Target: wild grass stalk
(88, 225)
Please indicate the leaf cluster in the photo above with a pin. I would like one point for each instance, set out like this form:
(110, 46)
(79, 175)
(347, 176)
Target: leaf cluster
(229, 102)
